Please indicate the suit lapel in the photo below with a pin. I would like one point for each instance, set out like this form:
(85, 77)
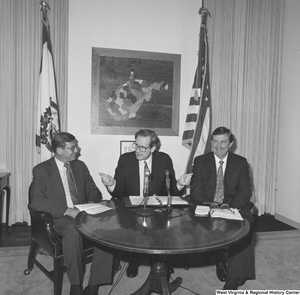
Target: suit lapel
(79, 178)
(55, 178)
(132, 174)
(212, 173)
(135, 170)
(230, 167)
(154, 173)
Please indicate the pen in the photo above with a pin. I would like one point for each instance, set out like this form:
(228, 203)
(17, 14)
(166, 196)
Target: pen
(158, 200)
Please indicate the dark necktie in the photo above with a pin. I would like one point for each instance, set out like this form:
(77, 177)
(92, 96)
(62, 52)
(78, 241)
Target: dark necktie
(72, 184)
(219, 195)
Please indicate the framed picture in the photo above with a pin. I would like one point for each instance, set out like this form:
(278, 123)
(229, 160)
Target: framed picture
(126, 146)
(133, 90)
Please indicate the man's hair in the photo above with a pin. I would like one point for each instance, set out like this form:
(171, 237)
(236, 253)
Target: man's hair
(222, 130)
(154, 140)
(60, 140)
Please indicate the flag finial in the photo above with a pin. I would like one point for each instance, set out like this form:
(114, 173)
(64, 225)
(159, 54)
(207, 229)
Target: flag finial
(204, 10)
(44, 6)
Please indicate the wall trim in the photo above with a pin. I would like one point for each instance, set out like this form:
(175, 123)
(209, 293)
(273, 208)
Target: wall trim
(287, 221)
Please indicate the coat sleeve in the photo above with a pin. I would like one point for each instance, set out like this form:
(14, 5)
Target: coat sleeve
(120, 177)
(239, 191)
(197, 182)
(42, 197)
(173, 180)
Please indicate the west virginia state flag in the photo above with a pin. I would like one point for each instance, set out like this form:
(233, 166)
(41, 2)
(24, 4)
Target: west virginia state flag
(47, 111)
(197, 125)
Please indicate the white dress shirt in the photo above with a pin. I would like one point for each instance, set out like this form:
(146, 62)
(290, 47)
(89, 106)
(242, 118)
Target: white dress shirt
(62, 171)
(217, 160)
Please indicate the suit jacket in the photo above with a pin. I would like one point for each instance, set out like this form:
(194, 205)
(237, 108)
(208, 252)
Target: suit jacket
(237, 186)
(128, 179)
(47, 193)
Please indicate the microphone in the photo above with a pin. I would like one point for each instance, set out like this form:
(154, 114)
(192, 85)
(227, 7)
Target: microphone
(168, 180)
(144, 212)
(168, 187)
(146, 180)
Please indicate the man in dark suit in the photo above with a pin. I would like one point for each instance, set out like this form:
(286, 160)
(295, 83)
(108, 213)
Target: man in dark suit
(129, 175)
(234, 190)
(52, 192)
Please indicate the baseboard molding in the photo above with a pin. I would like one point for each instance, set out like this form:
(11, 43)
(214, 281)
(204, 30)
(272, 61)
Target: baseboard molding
(287, 221)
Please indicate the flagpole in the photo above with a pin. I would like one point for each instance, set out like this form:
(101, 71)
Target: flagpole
(197, 127)
(47, 106)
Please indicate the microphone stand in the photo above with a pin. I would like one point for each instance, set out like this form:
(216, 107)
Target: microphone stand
(145, 211)
(169, 196)
(169, 208)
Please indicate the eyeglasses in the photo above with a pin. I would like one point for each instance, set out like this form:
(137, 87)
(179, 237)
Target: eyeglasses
(73, 148)
(140, 147)
(215, 207)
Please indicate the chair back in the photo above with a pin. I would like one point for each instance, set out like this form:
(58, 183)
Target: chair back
(43, 234)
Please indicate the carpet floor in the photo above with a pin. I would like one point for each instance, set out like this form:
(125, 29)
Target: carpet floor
(277, 259)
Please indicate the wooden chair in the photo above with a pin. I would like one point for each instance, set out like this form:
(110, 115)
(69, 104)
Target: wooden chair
(43, 236)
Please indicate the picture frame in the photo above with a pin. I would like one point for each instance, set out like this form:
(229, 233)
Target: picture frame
(133, 90)
(126, 146)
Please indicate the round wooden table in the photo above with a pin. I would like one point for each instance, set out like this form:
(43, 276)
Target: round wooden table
(177, 231)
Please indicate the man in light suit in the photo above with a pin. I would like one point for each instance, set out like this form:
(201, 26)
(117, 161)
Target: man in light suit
(50, 191)
(129, 175)
(236, 193)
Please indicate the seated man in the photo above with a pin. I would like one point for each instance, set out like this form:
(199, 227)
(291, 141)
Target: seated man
(223, 177)
(58, 184)
(129, 176)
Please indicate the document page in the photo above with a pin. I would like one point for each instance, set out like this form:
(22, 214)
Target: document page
(227, 214)
(138, 201)
(157, 200)
(202, 210)
(174, 200)
(92, 208)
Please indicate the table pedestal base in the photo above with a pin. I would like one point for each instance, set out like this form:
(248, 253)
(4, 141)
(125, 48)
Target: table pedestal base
(157, 281)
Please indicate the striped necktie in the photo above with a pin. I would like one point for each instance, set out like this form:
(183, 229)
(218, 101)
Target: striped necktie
(72, 184)
(219, 195)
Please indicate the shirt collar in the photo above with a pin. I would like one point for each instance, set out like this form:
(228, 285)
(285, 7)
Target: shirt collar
(59, 164)
(148, 161)
(217, 160)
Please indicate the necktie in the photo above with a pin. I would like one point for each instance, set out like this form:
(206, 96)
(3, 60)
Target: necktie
(72, 184)
(146, 168)
(219, 195)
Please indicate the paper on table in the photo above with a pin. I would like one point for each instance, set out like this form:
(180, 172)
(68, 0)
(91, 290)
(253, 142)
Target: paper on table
(202, 210)
(233, 213)
(92, 208)
(157, 200)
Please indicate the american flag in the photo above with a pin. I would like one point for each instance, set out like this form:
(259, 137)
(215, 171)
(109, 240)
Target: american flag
(197, 125)
(47, 111)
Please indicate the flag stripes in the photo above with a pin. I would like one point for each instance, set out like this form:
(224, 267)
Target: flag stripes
(197, 125)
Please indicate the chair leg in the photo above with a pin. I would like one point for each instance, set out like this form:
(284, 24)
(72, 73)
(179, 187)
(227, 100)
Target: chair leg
(31, 255)
(57, 276)
(116, 263)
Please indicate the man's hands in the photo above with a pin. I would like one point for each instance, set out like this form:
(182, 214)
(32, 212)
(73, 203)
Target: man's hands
(107, 180)
(185, 179)
(72, 212)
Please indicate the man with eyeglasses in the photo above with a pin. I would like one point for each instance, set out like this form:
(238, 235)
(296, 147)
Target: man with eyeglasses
(58, 184)
(223, 177)
(129, 176)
